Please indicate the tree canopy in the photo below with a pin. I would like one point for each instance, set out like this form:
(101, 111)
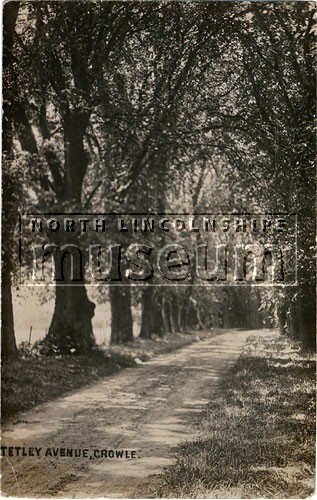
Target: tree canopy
(128, 106)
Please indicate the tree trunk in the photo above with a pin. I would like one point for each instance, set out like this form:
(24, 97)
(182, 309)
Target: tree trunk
(121, 317)
(8, 342)
(200, 322)
(146, 321)
(226, 318)
(309, 327)
(282, 318)
(10, 95)
(254, 315)
(157, 315)
(167, 317)
(170, 315)
(293, 317)
(174, 313)
(71, 327)
(70, 331)
(9, 215)
(307, 317)
(177, 315)
(76, 160)
(152, 314)
(306, 296)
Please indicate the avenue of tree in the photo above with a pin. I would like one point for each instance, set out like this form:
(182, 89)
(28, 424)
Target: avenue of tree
(159, 107)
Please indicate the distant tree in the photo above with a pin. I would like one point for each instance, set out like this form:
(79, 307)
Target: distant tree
(156, 75)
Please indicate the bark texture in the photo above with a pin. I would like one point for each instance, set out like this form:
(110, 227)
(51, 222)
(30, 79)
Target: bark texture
(153, 316)
(121, 317)
(9, 215)
(71, 330)
(8, 342)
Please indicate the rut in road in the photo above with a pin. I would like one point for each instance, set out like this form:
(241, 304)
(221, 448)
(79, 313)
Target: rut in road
(149, 410)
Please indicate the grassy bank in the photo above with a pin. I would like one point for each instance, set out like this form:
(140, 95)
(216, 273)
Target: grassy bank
(257, 437)
(32, 380)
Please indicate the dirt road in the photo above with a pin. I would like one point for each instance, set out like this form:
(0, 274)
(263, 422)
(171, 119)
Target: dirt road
(141, 413)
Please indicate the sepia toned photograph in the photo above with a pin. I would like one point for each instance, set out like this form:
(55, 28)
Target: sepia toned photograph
(158, 273)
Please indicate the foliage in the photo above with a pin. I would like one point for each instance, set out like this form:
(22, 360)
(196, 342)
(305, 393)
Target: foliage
(182, 106)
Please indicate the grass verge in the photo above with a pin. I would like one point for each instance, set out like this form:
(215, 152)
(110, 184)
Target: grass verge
(32, 380)
(257, 437)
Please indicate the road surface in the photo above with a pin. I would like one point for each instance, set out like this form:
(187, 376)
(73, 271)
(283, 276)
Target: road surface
(138, 415)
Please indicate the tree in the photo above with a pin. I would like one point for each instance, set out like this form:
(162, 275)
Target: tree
(283, 89)
(10, 182)
(73, 41)
(267, 118)
(152, 76)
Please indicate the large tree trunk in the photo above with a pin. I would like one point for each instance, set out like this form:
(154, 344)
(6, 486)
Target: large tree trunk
(8, 342)
(71, 327)
(71, 331)
(121, 317)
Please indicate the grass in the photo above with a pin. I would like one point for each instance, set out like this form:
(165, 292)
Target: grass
(32, 380)
(257, 437)
(145, 349)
